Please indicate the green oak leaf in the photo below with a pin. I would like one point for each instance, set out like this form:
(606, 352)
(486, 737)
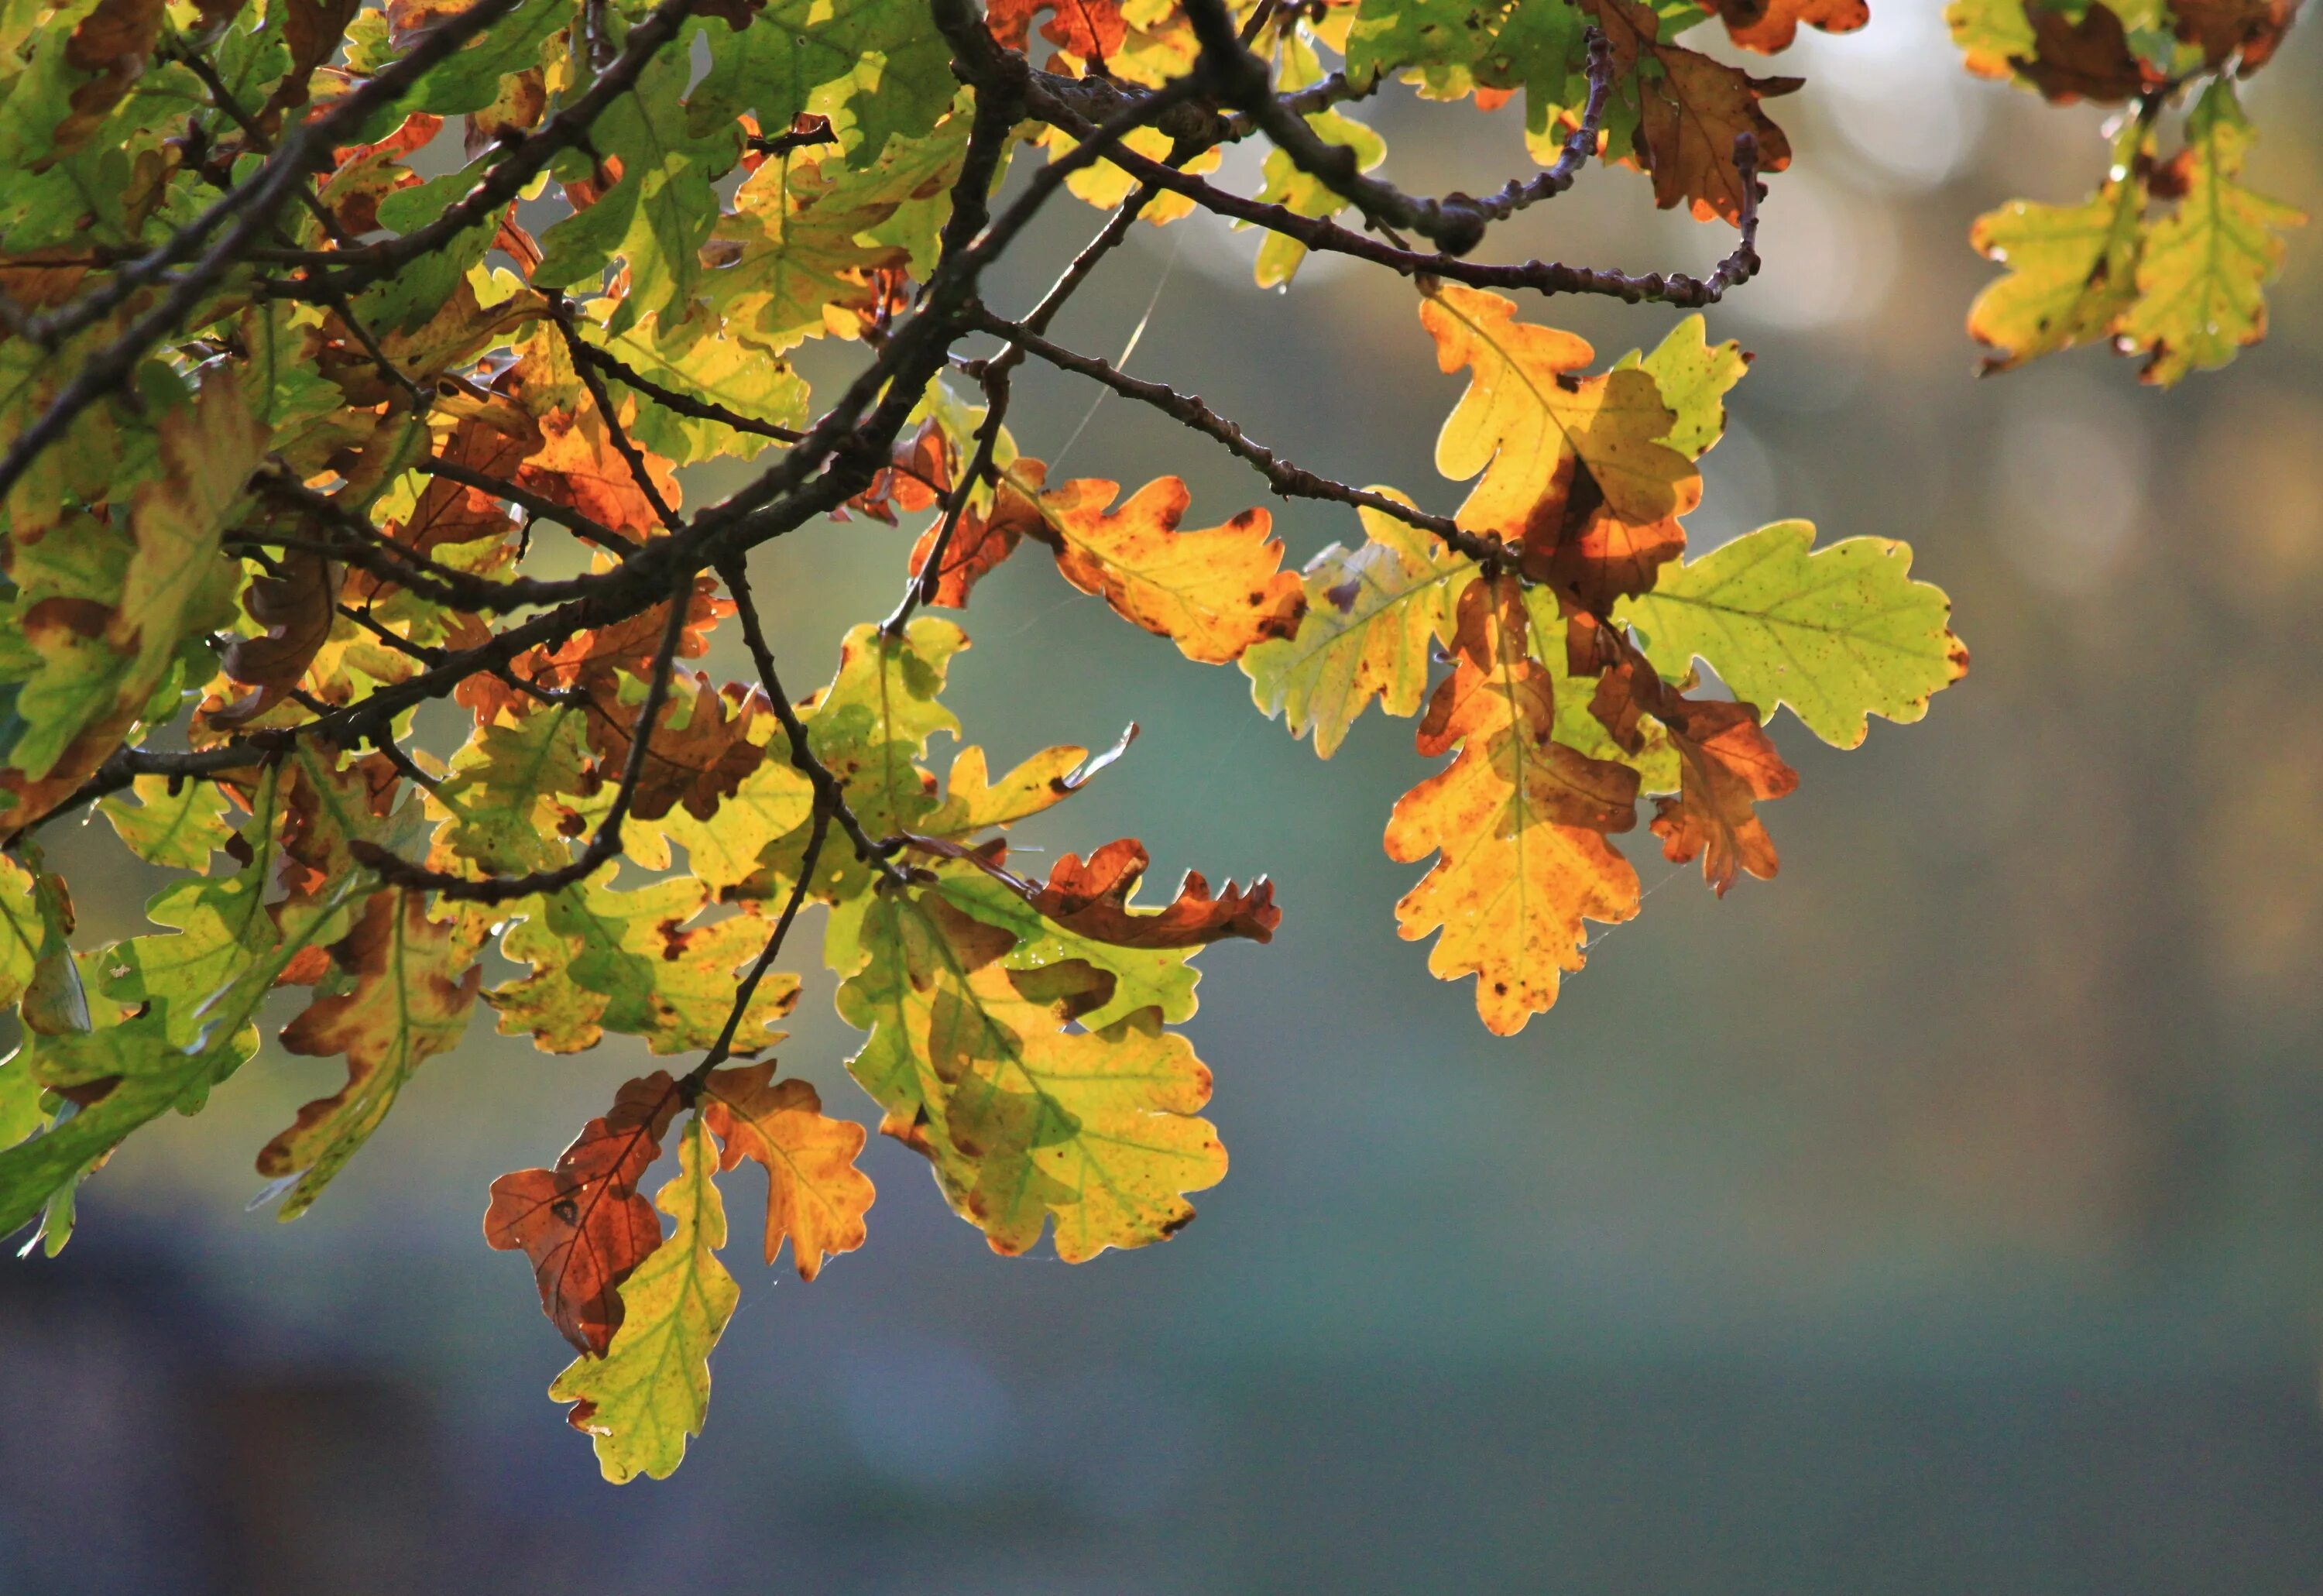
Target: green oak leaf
(1836, 634)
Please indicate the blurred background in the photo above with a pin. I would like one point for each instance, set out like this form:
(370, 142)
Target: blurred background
(1947, 1216)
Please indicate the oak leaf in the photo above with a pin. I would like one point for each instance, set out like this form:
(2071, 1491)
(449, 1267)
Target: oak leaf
(403, 988)
(1372, 619)
(1214, 592)
(298, 608)
(816, 1198)
(1573, 468)
(1690, 110)
(1092, 30)
(1728, 767)
(1518, 821)
(2225, 30)
(1836, 634)
(1023, 1120)
(648, 1390)
(2201, 280)
(642, 963)
(985, 535)
(2072, 271)
(582, 1223)
(2088, 58)
(1092, 899)
(1767, 26)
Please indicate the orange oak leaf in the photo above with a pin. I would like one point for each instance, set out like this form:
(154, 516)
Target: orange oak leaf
(1092, 30)
(1689, 108)
(985, 536)
(410, 983)
(816, 1198)
(1518, 823)
(627, 645)
(1727, 765)
(584, 1224)
(1573, 468)
(1214, 592)
(1770, 25)
(2089, 60)
(1092, 899)
(578, 466)
(917, 477)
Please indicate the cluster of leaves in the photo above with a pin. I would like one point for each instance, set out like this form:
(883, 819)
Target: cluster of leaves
(2169, 259)
(350, 359)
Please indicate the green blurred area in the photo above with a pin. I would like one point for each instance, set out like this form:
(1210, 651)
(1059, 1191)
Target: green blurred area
(1945, 1215)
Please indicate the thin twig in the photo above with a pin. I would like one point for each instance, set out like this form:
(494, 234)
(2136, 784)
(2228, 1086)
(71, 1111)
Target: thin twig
(603, 844)
(723, 1047)
(829, 792)
(1288, 480)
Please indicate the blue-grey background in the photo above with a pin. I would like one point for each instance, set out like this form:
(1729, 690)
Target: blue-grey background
(1945, 1217)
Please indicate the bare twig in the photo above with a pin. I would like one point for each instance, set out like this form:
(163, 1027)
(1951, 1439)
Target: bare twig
(1288, 480)
(829, 792)
(603, 843)
(722, 1048)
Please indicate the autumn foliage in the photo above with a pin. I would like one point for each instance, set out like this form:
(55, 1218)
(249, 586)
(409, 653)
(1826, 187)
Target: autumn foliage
(352, 362)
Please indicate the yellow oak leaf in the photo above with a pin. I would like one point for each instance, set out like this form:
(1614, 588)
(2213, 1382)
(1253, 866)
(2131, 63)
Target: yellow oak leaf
(1214, 592)
(1518, 821)
(1574, 468)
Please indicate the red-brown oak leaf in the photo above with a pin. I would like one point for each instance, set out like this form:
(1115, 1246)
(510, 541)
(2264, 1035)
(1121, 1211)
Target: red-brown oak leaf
(1092, 899)
(584, 1224)
(985, 536)
(1727, 765)
(1690, 110)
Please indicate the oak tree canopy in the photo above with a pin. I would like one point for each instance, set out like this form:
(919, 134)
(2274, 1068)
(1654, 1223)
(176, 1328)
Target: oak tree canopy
(351, 357)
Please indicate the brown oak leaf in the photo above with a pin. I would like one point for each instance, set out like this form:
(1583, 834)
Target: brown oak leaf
(2224, 28)
(1690, 110)
(297, 609)
(584, 1224)
(1093, 900)
(2089, 60)
(699, 752)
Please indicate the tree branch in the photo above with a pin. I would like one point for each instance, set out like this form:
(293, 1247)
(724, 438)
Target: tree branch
(1287, 479)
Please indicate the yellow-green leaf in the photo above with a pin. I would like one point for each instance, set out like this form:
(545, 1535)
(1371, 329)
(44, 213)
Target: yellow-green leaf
(641, 1401)
(1373, 615)
(1836, 634)
(2201, 284)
